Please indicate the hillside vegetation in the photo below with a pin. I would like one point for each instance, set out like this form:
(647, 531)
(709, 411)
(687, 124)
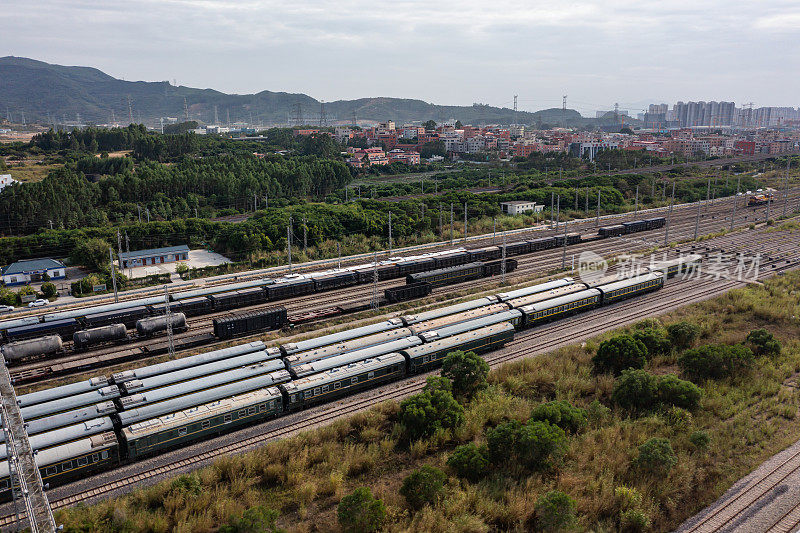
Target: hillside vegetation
(567, 440)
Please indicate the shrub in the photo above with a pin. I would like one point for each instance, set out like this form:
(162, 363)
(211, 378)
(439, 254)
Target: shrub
(678, 417)
(656, 456)
(633, 521)
(627, 497)
(598, 413)
(436, 383)
(502, 441)
(700, 439)
(181, 268)
(48, 290)
(682, 334)
(469, 461)
(424, 485)
(7, 296)
(715, 361)
(254, 520)
(562, 414)
(361, 512)
(654, 339)
(187, 483)
(635, 390)
(540, 444)
(672, 390)
(555, 511)
(467, 371)
(424, 413)
(619, 353)
(763, 342)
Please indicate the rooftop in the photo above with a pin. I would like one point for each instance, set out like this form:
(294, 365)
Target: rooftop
(518, 202)
(154, 251)
(32, 265)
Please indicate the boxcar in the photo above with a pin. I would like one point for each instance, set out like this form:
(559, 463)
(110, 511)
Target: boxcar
(127, 316)
(426, 356)
(367, 274)
(452, 259)
(620, 290)
(495, 268)
(611, 231)
(635, 226)
(342, 381)
(545, 243)
(412, 266)
(64, 328)
(242, 298)
(572, 238)
(195, 306)
(562, 306)
(517, 248)
(242, 323)
(333, 280)
(448, 275)
(289, 288)
(485, 254)
(655, 223)
(408, 292)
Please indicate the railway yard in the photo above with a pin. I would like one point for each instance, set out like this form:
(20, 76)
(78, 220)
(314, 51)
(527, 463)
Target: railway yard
(509, 325)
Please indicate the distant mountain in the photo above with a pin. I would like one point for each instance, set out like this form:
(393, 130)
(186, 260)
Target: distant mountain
(39, 88)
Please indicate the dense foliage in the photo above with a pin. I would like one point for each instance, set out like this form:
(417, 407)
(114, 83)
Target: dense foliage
(619, 353)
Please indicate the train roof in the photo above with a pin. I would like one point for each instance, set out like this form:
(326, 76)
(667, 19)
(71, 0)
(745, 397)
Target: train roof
(690, 258)
(533, 289)
(457, 340)
(198, 384)
(162, 380)
(199, 412)
(324, 352)
(193, 360)
(463, 327)
(295, 279)
(67, 451)
(621, 284)
(546, 295)
(610, 226)
(66, 434)
(16, 322)
(444, 311)
(229, 287)
(101, 309)
(561, 300)
(453, 268)
(70, 402)
(180, 403)
(54, 393)
(67, 418)
(356, 355)
(39, 325)
(333, 374)
(333, 338)
(330, 274)
(457, 318)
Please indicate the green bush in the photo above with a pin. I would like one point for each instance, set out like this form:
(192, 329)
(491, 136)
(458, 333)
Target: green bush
(254, 520)
(619, 353)
(700, 439)
(654, 339)
(423, 486)
(467, 371)
(540, 444)
(715, 361)
(8, 297)
(562, 414)
(635, 390)
(555, 511)
(671, 390)
(598, 413)
(361, 512)
(682, 334)
(656, 456)
(678, 418)
(469, 461)
(763, 342)
(633, 521)
(501, 441)
(48, 290)
(432, 409)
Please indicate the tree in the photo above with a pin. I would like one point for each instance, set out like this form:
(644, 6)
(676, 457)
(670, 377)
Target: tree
(672, 390)
(48, 290)
(618, 353)
(459, 125)
(502, 441)
(562, 414)
(361, 512)
(467, 371)
(257, 519)
(555, 511)
(656, 456)
(654, 339)
(424, 413)
(469, 461)
(540, 444)
(635, 390)
(763, 342)
(7, 296)
(91, 253)
(715, 361)
(683, 334)
(423, 486)
(429, 125)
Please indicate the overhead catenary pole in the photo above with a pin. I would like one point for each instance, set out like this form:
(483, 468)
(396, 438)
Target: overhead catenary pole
(735, 201)
(669, 215)
(390, 233)
(697, 218)
(564, 253)
(375, 279)
(503, 261)
(708, 193)
(451, 224)
(587, 202)
(552, 207)
(338, 255)
(289, 243)
(636, 209)
(597, 218)
(465, 221)
(168, 318)
(786, 188)
(494, 228)
(441, 222)
(305, 235)
(113, 273)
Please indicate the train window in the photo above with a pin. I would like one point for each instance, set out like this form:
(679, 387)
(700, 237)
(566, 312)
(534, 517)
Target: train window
(316, 392)
(95, 457)
(292, 399)
(227, 418)
(83, 461)
(326, 388)
(242, 413)
(183, 431)
(354, 380)
(371, 375)
(104, 454)
(251, 410)
(205, 424)
(336, 385)
(51, 471)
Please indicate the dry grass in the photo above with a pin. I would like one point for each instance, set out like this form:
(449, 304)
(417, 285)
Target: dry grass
(30, 170)
(304, 478)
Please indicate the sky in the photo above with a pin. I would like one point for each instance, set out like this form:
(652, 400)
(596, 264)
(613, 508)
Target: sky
(441, 51)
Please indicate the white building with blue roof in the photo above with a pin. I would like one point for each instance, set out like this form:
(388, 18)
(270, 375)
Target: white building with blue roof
(33, 270)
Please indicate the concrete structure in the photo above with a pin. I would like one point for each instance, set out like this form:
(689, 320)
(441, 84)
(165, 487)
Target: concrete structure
(33, 270)
(154, 256)
(6, 180)
(517, 207)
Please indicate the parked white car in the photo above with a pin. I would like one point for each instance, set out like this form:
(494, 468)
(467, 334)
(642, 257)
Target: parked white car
(38, 303)
(6, 308)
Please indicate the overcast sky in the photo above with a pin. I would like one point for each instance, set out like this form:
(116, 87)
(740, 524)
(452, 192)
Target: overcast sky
(441, 51)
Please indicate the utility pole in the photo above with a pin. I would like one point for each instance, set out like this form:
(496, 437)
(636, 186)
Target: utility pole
(465, 221)
(708, 193)
(289, 243)
(503, 262)
(669, 216)
(147, 210)
(338, 255)
(139, 208)
(375, 280)
(636, 209)
(113, 273)
(51, 224)
(494, 228)
(390, 234)
(769, 204)
(451, 224)
(305, 235)
(119, 247)
(564, 252)
(552, 207)
(735, 201)
(697, 219)
(441, 224)
(168, 318)
(576, 199)
(558, 210)
(587, 202)
(128, 251)
(786, 188)
(597, 220)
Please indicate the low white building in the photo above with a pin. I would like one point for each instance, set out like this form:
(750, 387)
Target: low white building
(33, 270)
(6, 180)
(517, 207)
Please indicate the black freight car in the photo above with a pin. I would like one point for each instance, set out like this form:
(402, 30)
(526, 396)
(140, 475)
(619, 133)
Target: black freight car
(517, 248)
(655, 223)
(408, 292)
(486, 254)
(495, 268)
(127, 316)
(367, 274)
(572, 238)
(290, 288)
(195, 306)
(64, 328)
(635, 226)
(242, 298)
(611, 231)
(449, 275)
(237, 324)
(544, 243)
(453, 259)
(334, 280)
(413, 266)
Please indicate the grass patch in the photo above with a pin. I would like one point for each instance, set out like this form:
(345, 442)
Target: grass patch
(740, 422)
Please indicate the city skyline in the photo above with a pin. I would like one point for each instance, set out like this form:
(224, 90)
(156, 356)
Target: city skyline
(597, 54)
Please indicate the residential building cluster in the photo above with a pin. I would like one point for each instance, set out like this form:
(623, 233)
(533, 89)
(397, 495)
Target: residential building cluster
(717, 114)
